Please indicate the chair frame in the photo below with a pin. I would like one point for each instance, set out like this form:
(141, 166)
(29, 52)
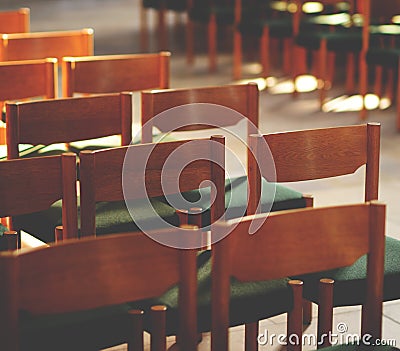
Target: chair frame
(50, 179)
(115, 73)
(57, 288)
(96, 185)
(259, 257)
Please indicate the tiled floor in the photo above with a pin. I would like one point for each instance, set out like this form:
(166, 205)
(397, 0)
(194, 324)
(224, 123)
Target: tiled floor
(116, 24)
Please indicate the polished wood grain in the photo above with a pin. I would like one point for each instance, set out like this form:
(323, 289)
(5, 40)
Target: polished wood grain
(34, 184)
(66, 120)
(40, 45)
(85, 274)
(115, 73)
(258, 256)
(240, 98)
(200, 157)
(15, 21)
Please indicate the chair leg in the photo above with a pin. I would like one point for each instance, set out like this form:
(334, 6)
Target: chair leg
(251, 334)
(323, 82)
(237, 55)
(264, 52)
(158, 328)
(162, 29)
(135, 342)
(295, 325)
(325, 311)
(287, 55)
(144, 30)
(299, 66)
(212, 43)
(189, 42)
(363, 84)
(307, 312)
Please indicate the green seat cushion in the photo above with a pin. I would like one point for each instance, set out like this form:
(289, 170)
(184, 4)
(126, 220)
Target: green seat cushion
(201, 13)
(249, 301)
(383, 57)
(338, 41)
(85, 330)
(3, 245)
(176, 5)
(114, 216)
(350, 282)
(236, 198)
(111, 217)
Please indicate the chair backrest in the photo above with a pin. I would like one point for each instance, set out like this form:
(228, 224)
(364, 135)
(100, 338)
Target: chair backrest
(91, 273)
(15, 21)
(144, 171)
(66, 120)
(316, 154)
(243, 99)
(115, 73)
(267, 255)
(28, 79)
(34, 184)
(39, 45)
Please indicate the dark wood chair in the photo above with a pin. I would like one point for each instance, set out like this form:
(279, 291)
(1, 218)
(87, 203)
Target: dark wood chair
(15, 21)
(28, 79)
(115, 73)
(321, 153)
(289, 243)
(32, 185)
(118, 200)
(40, 45)
(233, 104)
(75, 295)
(81, 122)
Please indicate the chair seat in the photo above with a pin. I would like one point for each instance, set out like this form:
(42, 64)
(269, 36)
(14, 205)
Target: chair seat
(248, 300)
(223, 14)
(350, 282)
(114, 216)
(384, 57)
(340, 40)
(91, 329)
(175, 5)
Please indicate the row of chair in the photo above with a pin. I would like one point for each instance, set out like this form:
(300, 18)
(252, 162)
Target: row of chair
(110, 183)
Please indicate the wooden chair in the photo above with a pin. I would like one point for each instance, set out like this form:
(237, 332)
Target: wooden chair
(30, 186)
(115, 73)
(15, 21)
(132, 177)
(40, 45)
(161, 7)
(322, 153)
(69, 120)
(27, 80)
(75, 295)
(380, 51)
(75, 121)
(241, 104)
(268, 254)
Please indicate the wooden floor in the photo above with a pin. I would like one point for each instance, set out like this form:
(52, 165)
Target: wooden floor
(116, 25)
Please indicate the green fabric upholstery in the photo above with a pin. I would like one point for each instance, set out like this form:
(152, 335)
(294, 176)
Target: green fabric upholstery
(175, 5)
(201, 13)
(236, 198)
(111, 217)
(248, 300)
(86, 330)
(350, 282)
(383, 57)
(114, 216)
(355, 347)
(3, 245)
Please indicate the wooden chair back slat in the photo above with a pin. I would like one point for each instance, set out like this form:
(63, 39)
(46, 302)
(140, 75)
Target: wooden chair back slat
(40, 45)
(66, 120)
(115, 73)
(15, 21)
